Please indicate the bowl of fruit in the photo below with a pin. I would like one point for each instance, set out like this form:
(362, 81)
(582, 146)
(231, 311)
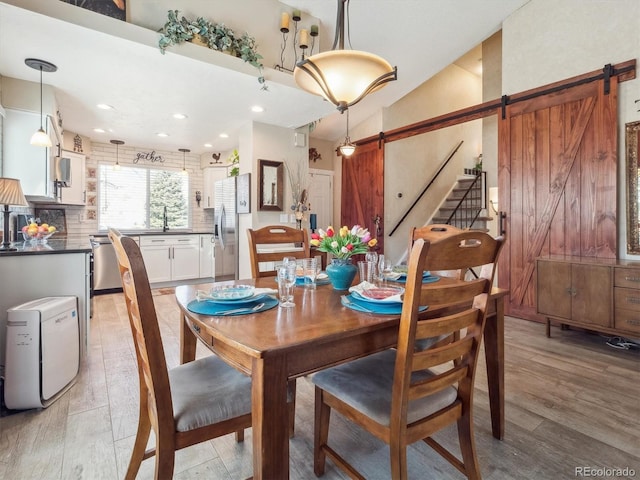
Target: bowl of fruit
(35, 233)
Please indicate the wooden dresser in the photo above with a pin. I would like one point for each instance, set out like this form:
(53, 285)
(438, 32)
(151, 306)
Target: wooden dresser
(602, 295)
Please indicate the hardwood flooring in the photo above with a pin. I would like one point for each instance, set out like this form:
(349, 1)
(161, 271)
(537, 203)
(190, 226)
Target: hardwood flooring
(571, 402)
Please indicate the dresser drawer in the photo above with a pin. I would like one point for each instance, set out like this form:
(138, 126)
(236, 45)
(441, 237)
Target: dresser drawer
(627, 320)
(627, 298)
(627, 277)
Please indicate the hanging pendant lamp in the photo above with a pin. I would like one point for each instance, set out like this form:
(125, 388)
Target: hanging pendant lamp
(184, 159)
(117, 143)
(344, 77)
(40, 138)
(347, 148)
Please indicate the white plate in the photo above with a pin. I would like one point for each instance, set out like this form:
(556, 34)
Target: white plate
(231, 293)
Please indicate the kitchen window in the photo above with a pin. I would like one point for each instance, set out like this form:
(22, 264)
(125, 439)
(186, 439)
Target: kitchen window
(134, 198)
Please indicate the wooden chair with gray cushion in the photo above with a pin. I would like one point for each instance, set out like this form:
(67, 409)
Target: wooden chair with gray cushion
(404, 395)
(189, 404)
(272, 243)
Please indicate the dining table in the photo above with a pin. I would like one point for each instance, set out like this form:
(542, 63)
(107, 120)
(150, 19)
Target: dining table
(279, 344)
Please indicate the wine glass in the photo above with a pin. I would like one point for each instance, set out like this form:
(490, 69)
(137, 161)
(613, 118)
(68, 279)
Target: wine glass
(385, 268)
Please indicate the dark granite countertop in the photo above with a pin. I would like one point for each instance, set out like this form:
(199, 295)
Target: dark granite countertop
(52, 246)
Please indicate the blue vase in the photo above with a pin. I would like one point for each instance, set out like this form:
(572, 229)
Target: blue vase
(341, 273)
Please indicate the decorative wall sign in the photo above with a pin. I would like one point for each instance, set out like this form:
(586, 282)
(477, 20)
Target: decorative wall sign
(314, 155)
(149, 157)
(77, 143)
(243, 193)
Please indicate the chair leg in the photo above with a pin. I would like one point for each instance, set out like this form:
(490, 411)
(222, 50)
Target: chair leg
(165, 458)
(320, 433)
(240, 436)
(139, 447)
(291, 404)
(398, 454)
(468, 447)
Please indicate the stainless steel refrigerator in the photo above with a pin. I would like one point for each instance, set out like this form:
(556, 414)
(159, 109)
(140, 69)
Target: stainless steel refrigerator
(226, 217)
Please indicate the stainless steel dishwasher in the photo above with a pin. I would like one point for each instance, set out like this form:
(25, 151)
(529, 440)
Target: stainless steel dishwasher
(106, 274)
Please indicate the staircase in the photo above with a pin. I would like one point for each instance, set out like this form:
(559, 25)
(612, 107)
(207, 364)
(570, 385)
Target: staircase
(465, 206)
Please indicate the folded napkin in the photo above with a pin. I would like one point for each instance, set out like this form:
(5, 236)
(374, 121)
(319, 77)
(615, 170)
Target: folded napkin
(264, 291)
(361, 287)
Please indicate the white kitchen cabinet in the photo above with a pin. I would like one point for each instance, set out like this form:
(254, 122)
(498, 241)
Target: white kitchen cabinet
(76, 194)
(171, 257)
(30, 164)
(207, 243)
(211, 176)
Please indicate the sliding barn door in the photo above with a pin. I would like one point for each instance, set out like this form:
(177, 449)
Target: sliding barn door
(363, 190)
(557, 183)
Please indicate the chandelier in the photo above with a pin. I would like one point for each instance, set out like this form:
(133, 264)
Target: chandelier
(344, 77)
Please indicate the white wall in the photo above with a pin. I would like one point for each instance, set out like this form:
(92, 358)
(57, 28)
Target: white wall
(547, 40)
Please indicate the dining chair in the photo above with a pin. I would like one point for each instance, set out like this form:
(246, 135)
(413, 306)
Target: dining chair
(185, 405)
(272, 243)
(405, 394)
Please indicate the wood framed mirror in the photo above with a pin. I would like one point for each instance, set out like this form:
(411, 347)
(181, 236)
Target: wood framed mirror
(632, 140)
(271, 185)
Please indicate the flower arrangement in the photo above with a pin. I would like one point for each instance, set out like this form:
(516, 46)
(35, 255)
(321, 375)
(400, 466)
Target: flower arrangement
(345, 242)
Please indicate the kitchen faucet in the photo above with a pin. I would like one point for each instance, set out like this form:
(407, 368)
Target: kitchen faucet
(165, 220)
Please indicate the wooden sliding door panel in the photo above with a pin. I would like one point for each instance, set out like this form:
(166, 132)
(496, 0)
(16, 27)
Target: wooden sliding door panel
(561, 199)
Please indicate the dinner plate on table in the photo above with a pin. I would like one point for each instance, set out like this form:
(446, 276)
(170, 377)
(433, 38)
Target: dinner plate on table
(356, 303)
(426, 278)
(322, 280)
(366, 300)
(244, 307)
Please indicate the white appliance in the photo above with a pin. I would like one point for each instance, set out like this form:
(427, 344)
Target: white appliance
(43, 351)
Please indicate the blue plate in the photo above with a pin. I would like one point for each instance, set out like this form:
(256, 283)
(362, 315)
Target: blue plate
(426, 278)
(212, 308)
(319, 281)
(353, 303)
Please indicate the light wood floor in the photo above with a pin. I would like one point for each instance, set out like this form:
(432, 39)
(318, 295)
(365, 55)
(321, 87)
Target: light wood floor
(571, 401)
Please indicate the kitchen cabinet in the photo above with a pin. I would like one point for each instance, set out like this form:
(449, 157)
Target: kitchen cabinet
(595, 294)
(211, 176)
(30, 164)
(171, 257)
(76, 194)
(207, 243)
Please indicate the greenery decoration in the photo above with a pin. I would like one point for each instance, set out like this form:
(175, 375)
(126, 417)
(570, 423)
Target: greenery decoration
(217, 36)
(234, 159)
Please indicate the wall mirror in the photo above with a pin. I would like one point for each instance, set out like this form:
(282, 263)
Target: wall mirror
(271, 185)
(632, 140)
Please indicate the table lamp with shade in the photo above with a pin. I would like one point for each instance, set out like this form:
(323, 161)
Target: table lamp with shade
(10, 194)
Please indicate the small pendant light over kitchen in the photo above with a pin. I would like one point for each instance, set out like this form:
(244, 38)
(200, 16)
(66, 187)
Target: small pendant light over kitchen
(40, 138)
(117, 143)
(184, 159)
(347, 148)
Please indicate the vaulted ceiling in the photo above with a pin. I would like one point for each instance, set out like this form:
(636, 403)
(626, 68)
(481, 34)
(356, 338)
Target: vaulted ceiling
(104, 60)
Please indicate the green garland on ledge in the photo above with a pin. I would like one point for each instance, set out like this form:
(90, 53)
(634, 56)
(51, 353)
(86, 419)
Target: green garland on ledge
(217, 36)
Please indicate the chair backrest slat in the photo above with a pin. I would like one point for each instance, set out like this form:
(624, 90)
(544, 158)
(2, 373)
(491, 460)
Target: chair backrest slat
(287, 241)
(437, 383)
(438, 355)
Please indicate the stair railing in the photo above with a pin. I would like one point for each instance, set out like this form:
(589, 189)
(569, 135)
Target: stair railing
(469, 207)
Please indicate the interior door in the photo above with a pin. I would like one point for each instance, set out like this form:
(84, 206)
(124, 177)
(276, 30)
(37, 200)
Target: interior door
(321, 197)
(557, 183)
(363, 190)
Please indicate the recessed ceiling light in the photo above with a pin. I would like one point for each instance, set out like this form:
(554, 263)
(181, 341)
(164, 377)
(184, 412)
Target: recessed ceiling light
(162, 134)
(98, 130)
(104, 106)
(224, 135)
(208, 145)
(257, 109)
(179, 116)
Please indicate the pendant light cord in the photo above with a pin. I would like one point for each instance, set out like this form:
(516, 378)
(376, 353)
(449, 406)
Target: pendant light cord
(41, 126)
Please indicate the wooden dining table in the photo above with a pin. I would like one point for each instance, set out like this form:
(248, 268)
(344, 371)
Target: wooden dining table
(279, 344)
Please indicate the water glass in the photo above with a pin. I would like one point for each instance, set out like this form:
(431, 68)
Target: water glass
(373, 257)
(367, 271)
(385, 268)
(310, 270)
(286, 284)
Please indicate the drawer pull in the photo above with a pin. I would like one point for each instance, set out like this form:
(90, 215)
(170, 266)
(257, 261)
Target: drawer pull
(632, 279)
(633, 322)
(572, 291)
(633, 300)
(195, 327)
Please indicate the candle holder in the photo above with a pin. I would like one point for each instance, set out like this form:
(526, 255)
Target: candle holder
(299, 35)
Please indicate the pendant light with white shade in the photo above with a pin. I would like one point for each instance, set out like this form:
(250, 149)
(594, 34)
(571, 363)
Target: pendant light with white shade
(117, 143)
(40, 138)
(347, 148)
